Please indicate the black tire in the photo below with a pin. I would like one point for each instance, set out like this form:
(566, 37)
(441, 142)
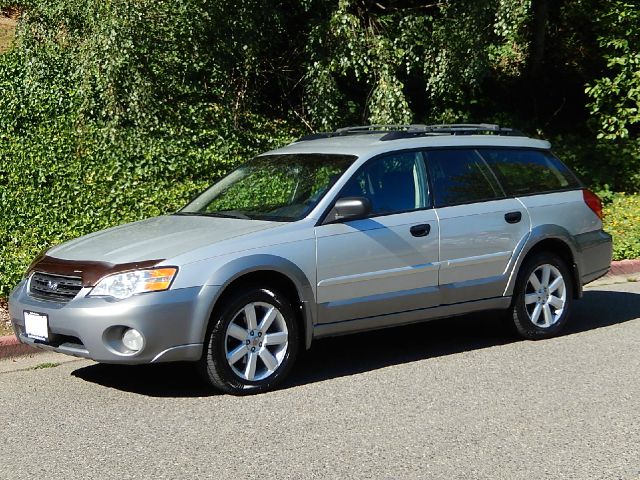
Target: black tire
(214, 365)
(523, 314)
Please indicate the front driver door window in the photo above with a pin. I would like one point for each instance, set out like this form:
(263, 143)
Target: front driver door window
(393, 184)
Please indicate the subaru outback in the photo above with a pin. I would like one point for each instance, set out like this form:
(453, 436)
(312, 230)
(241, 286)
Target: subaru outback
(358, 229)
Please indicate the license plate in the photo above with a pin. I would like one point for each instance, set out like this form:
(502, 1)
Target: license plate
(36, 325)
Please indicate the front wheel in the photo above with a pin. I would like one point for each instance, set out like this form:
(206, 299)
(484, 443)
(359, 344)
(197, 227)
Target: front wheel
(252, 342)
(543, 297)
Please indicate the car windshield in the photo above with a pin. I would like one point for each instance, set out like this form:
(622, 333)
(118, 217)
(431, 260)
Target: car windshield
(272, 187)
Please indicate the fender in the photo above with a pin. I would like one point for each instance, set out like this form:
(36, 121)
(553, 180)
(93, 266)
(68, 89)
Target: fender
(238, 267)
(537, 235)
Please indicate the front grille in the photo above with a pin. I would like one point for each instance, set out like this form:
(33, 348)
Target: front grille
(54, 287)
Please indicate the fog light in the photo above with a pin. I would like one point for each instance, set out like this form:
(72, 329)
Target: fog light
(132, 339)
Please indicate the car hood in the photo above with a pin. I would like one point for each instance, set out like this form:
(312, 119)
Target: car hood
(157, 238)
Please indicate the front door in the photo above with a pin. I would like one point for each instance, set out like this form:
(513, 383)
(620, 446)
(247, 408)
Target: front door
(386, 263)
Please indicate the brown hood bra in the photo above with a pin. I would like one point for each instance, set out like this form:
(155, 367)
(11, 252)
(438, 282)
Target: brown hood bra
(90, 271)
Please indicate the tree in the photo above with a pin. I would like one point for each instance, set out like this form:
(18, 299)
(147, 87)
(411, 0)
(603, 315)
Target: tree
(615, 97)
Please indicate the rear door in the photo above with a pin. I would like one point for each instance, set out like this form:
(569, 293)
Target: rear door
(480, 227)
(386, 263)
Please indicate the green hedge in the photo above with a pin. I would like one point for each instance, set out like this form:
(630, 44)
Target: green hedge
(58, 182)
(622, 221)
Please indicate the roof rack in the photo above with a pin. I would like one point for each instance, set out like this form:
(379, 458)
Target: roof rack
(453, 129)
(395, 132)
(376, 128)
(358, 130)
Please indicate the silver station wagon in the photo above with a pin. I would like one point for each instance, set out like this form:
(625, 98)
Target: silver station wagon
(357, 229)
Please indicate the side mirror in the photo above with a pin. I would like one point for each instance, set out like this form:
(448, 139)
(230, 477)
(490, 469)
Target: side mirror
(349, 208)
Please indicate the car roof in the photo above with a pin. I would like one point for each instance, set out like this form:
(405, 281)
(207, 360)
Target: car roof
(370, 144)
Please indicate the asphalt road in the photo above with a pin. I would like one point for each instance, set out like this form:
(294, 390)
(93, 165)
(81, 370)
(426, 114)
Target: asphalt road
(459, 398)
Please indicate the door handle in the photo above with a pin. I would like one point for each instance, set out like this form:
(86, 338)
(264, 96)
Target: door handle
(513, 217)
(421, 230)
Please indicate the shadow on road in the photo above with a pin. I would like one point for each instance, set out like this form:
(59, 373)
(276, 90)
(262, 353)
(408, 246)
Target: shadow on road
(353, 354)
(161, 380)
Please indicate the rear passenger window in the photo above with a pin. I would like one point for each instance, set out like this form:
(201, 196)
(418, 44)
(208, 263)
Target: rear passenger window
(460, 176)
(524, 172)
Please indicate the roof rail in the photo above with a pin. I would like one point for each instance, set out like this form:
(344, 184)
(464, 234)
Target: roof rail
(395, 132)
(377, 128)
(359, 130)
(454, 129)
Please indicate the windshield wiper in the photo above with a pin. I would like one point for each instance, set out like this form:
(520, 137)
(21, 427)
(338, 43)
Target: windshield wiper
(273, 218)
(214, 214)
(235, 214)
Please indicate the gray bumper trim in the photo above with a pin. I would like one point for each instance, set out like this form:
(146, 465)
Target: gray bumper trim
(596, 250)
(181, 353)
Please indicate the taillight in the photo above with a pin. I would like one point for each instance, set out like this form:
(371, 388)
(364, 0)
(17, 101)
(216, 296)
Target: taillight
(593, 202)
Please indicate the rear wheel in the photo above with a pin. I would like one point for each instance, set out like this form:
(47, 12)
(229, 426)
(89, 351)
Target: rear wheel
(252, 343)
(543, 296)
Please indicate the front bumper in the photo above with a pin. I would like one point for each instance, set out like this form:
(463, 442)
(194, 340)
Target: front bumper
(173, 324)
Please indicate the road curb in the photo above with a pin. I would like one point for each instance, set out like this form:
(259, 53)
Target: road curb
(621, 271)
(11, 347)
(624, 267)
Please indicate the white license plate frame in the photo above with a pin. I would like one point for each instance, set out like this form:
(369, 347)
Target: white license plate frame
(36, 325)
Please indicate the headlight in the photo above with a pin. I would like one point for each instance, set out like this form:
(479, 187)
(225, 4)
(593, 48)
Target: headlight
(124, 285)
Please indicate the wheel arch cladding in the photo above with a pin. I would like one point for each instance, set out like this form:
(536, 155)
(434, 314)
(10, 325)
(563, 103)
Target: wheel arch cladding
(268, 270)
(554, 239)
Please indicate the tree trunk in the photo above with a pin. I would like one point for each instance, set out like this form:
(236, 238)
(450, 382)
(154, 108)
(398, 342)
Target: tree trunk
(540, 21)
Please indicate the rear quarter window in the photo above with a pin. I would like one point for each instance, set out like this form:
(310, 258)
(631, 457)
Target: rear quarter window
(525, 172)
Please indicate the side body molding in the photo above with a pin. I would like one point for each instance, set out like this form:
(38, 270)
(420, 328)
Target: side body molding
(238, 267)
(537, 235)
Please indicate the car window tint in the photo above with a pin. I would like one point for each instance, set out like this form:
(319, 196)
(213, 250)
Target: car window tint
(529, 171)
(393, 183)
(460, 176)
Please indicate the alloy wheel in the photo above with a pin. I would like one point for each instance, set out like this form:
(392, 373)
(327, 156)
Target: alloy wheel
(545, 296)
(256, 341)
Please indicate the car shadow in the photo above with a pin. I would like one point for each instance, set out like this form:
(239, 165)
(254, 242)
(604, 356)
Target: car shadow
(353, 354)
(156, 380)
